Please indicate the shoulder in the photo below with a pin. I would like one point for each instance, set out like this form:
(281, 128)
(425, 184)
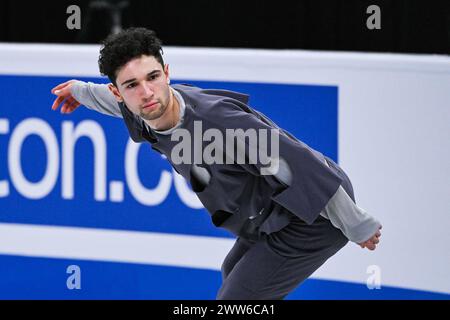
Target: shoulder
(218, 105)
(210, 95)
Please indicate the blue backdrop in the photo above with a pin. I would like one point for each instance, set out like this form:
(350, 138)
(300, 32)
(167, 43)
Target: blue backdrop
(309, 112)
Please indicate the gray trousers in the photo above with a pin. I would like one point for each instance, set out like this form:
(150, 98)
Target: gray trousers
(273, 266)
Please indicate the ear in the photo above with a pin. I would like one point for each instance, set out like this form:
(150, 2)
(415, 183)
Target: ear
(166, 72)
(115, 92)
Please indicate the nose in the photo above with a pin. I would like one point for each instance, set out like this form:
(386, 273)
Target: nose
(147, 90)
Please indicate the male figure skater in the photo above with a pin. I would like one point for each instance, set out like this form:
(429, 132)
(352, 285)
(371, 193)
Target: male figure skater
(288, 222)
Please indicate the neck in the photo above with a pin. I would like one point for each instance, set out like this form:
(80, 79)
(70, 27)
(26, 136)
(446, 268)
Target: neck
(170, 118)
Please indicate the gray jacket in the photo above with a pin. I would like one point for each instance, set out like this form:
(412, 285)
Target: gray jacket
(237, 196)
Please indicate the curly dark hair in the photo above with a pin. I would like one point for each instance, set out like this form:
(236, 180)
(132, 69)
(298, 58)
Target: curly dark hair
(118, 49)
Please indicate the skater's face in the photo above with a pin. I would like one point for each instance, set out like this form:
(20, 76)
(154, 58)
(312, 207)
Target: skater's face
(143, 84)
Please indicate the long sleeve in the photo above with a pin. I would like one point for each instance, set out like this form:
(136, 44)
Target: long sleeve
(313, 183)
(356, 224)
(96, 97)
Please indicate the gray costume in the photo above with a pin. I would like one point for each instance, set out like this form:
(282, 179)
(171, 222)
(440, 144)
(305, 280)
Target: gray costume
(287, 224)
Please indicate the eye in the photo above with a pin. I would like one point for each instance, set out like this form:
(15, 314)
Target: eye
(131, 85)
(153, 76)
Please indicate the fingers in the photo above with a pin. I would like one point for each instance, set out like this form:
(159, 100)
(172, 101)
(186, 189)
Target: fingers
(62, 90)
(61, 86)
(62, 94)
(65, 91)
(70, 106)
(67, 106)
(371, 243)
(57, 102)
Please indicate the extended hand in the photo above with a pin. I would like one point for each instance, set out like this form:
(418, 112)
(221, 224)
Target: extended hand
(372, 242)
(65, 95)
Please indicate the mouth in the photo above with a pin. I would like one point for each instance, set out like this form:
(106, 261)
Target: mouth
(150, 105)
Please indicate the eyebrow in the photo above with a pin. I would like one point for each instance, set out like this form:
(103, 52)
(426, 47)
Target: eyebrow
(134, 79)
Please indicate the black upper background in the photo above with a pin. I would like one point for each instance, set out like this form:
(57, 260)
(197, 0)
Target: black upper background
(408, 26)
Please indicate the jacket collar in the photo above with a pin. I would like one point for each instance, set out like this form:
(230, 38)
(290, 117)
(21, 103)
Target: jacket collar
(192, 97)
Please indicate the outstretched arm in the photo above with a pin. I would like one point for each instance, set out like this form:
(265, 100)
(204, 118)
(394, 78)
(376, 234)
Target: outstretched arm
(295, 165)
(356, 224)
(94, 96)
